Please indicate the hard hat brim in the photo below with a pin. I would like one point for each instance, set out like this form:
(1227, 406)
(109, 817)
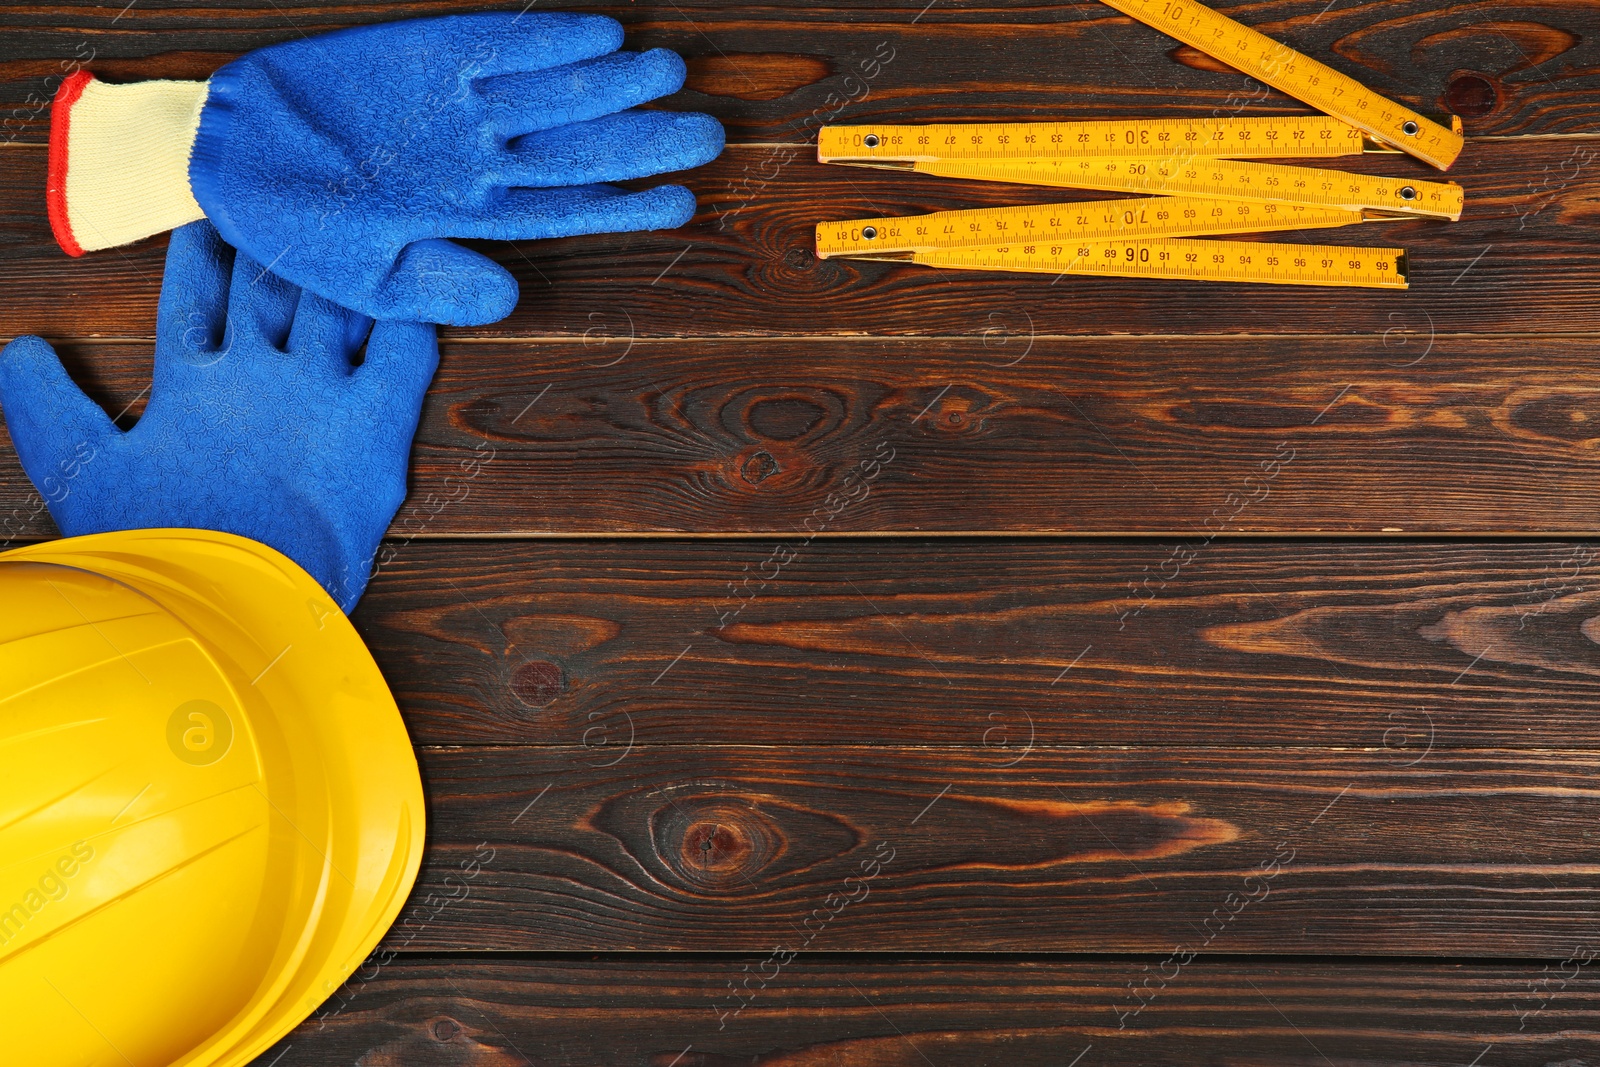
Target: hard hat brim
(339, 721)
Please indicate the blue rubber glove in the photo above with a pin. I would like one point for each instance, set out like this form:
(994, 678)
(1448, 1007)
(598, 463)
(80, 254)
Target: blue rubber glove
(258, 424)
(343, 160)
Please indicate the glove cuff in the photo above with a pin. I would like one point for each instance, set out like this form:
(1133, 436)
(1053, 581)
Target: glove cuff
(119, 160)
(206, 160)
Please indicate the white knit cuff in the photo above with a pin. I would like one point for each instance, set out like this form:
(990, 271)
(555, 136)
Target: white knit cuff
(119, 160)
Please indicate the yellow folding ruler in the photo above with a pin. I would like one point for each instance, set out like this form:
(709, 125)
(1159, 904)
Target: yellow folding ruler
(1137, 238)
(1210, 174)
(1300, 76)
(1256, 137)
(1189, 157)
(1225, 178)
(1148, 218)
(1212, 261)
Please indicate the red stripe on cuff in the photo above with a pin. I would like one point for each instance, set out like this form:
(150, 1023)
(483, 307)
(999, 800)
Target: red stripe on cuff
(55, 188)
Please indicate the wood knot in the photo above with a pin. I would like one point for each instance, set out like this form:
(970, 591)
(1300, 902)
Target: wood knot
(961, 411)
(444, 1029)
(538, 682)
(1471, 96)
(707, 838)
(1554, 415)
(717, 844)
(759, 467)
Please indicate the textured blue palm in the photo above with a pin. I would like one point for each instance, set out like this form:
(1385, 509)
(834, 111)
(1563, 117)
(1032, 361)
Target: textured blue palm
(259, 423)
(346, 160)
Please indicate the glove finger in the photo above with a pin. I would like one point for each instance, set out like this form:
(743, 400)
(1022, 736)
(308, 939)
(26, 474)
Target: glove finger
(526, 102)
(326, 335)
(55, 428)
(498, 42)
(401, 359)
(629, 144)
(192, 318)
(439, 281)
(528, 214)
(260, 304)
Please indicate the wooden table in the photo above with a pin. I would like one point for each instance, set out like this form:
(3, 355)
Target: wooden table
(832, 663)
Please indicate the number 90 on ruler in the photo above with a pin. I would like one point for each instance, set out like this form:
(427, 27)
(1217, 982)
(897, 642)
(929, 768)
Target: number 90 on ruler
(1126, 238)
(1197, 260)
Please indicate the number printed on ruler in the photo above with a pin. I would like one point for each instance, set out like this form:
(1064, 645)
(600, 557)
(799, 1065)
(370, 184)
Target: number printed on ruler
(1269, 137)
(1220, 261)
(1161, 216)
(1225, 178)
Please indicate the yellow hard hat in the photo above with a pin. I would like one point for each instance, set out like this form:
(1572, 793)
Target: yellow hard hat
(210, 811)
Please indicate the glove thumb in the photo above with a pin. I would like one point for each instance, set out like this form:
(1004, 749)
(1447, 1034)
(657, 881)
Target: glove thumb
(56, 428)
(440, 281)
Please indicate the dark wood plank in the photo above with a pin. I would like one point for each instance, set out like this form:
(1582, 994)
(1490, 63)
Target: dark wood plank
(1188, 438)
(737, 848)
(654, 1011)
(1522, 260)
(769, 71)
(1412, 648)
(1409, 648)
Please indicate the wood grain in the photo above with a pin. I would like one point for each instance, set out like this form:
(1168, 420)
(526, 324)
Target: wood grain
(737, 848)
(652, 1011)
(1521, 260)
(770, 71)
(1410, 648)
(1186, 438)
(943, 772)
